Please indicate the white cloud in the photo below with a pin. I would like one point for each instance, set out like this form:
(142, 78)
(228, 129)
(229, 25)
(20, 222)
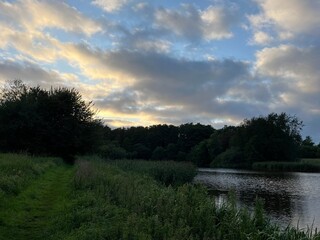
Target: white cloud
(294, 78)
(295, 65)
(295, 15)
(23, 25)
(261, 38)
(287, 19)
(217, 23)
(31, 15)
(213, 23)
(110, 5)
(35, 46)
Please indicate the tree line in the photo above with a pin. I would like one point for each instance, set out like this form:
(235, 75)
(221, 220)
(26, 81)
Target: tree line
(59, 122)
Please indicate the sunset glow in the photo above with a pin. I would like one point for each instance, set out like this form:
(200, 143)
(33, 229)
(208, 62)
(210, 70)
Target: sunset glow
(152, 62)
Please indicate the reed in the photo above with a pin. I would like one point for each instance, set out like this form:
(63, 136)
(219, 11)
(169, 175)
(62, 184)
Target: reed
(302, 166)
(167, 172)
(118, 204)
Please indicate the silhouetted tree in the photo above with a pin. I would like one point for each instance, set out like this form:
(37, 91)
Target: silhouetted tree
(191, 134)
(56, 121)
(308, 149)
(199, 154)
(158, 153)
(275, 137)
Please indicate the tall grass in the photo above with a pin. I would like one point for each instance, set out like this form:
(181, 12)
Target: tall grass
(314, 161)
(18, 170)
(302, 166)
(110, 203)
(167, 172)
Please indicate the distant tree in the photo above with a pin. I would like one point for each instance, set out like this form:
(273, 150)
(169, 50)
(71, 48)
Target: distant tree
(172, 151)
(308, 149)
(161, 135)
(158, 153)
(199, 154)
(275, 137)
(56, 121)
(141, 151)
(308, 141)
(232, 157)
(181, 156)
(112, 151)
(191, 134)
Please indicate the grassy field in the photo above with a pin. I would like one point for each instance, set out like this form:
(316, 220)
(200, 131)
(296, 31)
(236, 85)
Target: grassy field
(304, 165)
(99, 200)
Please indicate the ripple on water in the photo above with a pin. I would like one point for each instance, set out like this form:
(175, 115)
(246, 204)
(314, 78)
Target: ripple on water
(290, 198)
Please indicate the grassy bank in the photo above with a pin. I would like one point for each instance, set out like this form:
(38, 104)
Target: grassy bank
(304, 165)
(125, 200)
(110, 203)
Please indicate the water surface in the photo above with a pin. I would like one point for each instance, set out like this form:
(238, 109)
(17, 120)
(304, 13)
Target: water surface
(289, 198)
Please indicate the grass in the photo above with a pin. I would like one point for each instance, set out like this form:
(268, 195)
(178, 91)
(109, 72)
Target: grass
(123, 200)
(304, 165)
(18, 170)
(30, 214)
(110, 203)
(167, 172)
(315, 161)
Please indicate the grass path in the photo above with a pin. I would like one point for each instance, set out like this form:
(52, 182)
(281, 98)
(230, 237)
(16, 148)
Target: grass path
(28, 215)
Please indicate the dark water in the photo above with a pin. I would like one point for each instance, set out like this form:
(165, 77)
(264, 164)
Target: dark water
(290, 198)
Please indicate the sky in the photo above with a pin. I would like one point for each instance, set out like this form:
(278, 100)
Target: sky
(142, 62)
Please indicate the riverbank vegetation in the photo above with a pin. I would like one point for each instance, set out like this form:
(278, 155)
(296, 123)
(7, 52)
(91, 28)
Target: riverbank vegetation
(303, 165)
(96, 199)
(166, 172)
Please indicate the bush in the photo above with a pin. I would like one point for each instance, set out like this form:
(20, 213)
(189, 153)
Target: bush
(112, 151)
(158, 154)
(199, 155)
(232, 157)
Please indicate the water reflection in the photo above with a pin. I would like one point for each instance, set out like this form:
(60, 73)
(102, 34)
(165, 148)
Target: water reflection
(289, 198)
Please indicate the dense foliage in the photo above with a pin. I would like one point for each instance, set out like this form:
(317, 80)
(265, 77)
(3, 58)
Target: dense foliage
(156, 142)
(52, 122)
(275, 137)
(59, 122)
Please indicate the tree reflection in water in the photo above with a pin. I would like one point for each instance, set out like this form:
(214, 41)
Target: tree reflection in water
(289, 198)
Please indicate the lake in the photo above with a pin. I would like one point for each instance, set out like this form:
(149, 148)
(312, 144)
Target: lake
(289, 198)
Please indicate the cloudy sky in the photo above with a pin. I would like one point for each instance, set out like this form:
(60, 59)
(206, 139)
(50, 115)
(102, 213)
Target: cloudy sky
(151, 62)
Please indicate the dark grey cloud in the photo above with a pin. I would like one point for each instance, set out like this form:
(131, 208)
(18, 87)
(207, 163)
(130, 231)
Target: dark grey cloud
(125, 101)
(30, 73)
(171, 88)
